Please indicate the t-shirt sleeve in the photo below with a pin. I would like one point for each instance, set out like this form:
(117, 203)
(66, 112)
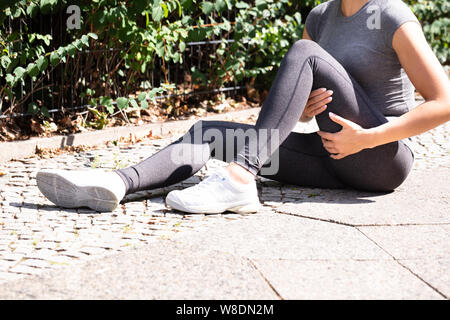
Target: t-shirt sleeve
(393, 16)
(312, 23)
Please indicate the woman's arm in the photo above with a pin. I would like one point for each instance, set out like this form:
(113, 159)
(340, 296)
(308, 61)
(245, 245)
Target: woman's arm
(428, 77)
(305, 34)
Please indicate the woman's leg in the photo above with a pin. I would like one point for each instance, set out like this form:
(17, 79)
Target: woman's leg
(221, 140)
(306, 67)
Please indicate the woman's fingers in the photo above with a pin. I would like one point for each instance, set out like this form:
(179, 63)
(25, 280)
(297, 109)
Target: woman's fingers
(312, 113)
(320, 103)
(339, 156)
(316, 92)
(317, 102)
(315, 108)
(319, 97)
(329, 146)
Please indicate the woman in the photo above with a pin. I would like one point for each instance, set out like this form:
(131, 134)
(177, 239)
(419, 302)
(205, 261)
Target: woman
(354, 70)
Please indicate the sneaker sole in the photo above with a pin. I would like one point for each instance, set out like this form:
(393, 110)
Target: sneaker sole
(243, 208)
(65, 193)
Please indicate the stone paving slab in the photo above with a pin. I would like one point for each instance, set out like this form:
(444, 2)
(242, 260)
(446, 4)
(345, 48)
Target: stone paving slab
(412, 242)
(164, 270)
(270, 235)
(435, 271)
(343, 279)
(420, 200)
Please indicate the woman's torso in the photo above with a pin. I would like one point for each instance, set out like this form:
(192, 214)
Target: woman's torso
(362, 43)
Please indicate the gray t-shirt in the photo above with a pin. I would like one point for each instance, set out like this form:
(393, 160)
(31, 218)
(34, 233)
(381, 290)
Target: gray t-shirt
(362, 43)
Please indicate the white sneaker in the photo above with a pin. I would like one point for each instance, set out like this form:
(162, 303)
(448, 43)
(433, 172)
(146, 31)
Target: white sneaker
(215, 194)
(96, 188)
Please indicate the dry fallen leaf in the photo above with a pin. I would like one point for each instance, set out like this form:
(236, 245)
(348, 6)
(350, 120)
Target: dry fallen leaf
(36, 127)
(65, 122)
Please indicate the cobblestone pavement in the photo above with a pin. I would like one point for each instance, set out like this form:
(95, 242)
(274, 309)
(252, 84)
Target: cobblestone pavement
(36, 236)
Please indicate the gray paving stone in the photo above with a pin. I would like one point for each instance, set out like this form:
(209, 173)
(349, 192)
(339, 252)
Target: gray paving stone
(8, 276)
(12, 256)
(23, 269)
(412, 242)
(343, 279)
(5, 264)
(164, 270)
(35, 263)
(436, 272)
(409, 204)
(285, 237)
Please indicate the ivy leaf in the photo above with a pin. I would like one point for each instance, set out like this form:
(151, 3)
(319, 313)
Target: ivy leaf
(142, 96)
(32, 9)
(144, 104)
(207, 7)
(242, 5)
(62, 51)
(122, 103)
(5, 62)
(45, 112)
(182, 46)
(107, 102)
(32, 70)
(10, 79)
(133, 103)
(104, 101)
(33, 108)
(42, 63)
(261, 4)
(92, 35)
(220, 5)
(157, 12)
(71, 49)
(78, 44)
(19, 72)
(54, 59)
(85, 40)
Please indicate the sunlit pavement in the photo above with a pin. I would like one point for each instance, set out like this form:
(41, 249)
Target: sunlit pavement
(304, 244)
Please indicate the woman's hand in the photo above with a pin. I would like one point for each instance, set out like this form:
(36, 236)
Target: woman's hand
(351, 139)
(317, 103)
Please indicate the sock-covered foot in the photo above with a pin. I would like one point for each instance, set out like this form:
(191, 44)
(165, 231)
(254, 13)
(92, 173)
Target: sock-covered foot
(97, 189)
(215, 194)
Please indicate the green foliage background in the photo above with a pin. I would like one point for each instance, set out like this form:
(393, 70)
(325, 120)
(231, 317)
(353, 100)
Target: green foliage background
(158, 30)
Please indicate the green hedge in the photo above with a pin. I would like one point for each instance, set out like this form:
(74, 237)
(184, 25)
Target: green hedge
(434, 16)
(158, 30)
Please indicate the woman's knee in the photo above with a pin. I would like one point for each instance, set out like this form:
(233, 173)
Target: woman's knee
(304, 47)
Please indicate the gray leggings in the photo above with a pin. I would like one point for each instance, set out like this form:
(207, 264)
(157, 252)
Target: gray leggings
(302, 159)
